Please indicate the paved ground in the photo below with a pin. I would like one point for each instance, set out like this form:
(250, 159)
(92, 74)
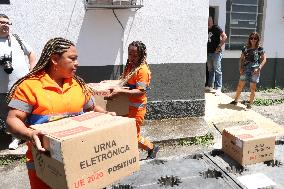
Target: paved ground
(186, 166)
(218, 110)
(274, 112)
(206, 169)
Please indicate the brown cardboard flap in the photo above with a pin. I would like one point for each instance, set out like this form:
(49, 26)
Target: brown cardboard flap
(50, 168)
(119, 104)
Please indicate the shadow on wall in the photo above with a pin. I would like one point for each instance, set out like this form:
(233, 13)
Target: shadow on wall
(100, 43)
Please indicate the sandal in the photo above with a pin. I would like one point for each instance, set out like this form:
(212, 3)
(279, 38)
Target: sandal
(245, 102)
(234, 102)
(153, 152)
(248, 106)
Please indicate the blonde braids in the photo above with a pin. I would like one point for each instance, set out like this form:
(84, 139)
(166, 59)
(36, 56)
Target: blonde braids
(87, 90)
(142, 54)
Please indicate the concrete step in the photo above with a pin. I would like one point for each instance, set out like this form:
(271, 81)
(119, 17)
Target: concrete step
(167, 132)
(160, 131)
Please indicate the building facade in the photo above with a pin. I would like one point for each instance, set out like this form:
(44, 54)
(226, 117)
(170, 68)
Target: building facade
(175, 33)
(240, 17)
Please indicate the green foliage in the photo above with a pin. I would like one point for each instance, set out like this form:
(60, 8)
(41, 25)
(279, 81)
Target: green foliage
(268, 102)
(23, 160)
(10, 159)
(270, 90)
(198, 140)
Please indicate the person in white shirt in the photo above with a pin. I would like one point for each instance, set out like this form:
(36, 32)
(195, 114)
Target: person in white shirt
(13, 64)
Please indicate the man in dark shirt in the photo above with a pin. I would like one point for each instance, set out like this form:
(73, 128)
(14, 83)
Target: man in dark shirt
(216, 40)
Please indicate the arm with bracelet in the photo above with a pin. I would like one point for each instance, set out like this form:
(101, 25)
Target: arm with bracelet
(263, 62)
(242, 66)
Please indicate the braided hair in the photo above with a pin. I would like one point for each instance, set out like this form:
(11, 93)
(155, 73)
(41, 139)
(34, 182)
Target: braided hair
(142, 55)
(53, 46)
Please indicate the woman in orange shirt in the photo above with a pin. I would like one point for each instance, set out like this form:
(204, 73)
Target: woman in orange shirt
(49, 92)
(137, 77)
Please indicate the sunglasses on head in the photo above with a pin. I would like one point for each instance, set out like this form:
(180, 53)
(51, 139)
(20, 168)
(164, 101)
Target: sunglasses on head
(5, 23)
(253, 38)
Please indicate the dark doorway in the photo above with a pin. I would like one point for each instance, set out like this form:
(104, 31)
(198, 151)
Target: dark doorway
(212, 14)
(4, 1)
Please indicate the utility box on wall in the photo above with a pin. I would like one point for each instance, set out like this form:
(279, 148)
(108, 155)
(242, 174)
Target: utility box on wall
(113, 4)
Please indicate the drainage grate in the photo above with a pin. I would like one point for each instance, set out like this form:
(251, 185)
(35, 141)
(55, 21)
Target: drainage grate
(273, 163)
(122, 186)
(216, 152)
(157, 162)
(279, 142)
(169, 181)
(211, 174)
(236, 169)
(194, 156)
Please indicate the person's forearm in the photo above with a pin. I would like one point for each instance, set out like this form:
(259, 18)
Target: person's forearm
(132, 92)
(241, 64)
(222, 42)
(18, 128)
(242, 60)
(99, 109)
(223, 39)
(263, 62)
(32, 60)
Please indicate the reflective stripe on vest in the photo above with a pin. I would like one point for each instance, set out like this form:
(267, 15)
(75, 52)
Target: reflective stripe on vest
(137, 105)
(141, 84)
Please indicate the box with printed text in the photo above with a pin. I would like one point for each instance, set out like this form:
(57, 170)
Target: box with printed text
(119, 104)
(88, 151)
(248, 144)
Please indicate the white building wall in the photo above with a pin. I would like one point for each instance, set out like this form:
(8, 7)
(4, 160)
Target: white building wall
(100, 38)
(273, 40)
(173, 31)
(38, 21)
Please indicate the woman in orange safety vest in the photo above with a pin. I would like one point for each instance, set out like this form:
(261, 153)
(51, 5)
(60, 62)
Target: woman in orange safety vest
(136, 77)
(49, 91)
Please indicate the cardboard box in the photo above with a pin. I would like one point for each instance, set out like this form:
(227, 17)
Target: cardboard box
(119, 105)
(88, 151)
(248, 144)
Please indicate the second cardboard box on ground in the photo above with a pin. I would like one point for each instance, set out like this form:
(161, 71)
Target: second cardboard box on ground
(248, 144)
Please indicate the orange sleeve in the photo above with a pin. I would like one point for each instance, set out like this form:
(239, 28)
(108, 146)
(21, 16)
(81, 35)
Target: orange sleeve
(25, 93)
(89, 102)
(143, 78)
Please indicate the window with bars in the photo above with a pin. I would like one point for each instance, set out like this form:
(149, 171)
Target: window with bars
(242, 18)
(113, 4)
